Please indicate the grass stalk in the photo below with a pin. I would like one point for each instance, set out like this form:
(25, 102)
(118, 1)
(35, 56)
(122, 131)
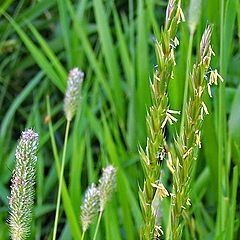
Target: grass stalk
(221, 127)
(61, 180)
(73, 222)
(83, 234)
(186, 85)
(97, 226)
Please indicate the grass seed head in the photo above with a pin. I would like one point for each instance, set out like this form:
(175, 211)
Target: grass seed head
(107, 184)
(157, 117)
(89, 207)
(205, 42)
(22, 188)
(194, 13)
(169, 10)
(73, 92)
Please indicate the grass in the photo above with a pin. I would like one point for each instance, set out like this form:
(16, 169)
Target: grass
(111, 41)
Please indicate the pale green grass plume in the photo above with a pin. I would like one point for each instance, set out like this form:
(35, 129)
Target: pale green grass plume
(187, 144)
(158, 116)
(96, 198)
(73, 93)
(194, 13)
(107, 184)
(22, 188)
(89, 207)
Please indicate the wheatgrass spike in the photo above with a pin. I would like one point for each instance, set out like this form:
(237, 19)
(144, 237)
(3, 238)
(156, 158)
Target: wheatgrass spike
(157, 118)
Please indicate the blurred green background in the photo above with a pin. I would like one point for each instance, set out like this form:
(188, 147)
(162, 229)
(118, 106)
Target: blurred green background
(112, 42)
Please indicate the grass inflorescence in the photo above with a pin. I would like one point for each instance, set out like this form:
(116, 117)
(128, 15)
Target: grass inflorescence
(22, 188)
(157, 117)
(182, 183)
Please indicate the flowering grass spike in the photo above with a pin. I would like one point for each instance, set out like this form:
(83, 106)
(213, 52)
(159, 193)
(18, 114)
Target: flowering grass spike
(89, 207)
(73, 92)
(71, 101)
(22, 188)
(96, 199)
(187, 144)
(158, 116)
(107, 184)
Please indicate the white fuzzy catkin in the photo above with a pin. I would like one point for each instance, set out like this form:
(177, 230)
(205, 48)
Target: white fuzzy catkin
(22, 188)
(89, 207)
(73, 92)
(107, 184)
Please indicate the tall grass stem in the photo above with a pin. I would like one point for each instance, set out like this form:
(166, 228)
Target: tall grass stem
(97, 227)
(221, 128)
(187, 79)
(83, 236)
(61, 180)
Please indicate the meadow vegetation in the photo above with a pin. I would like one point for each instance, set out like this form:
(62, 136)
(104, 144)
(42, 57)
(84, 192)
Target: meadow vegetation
(158, 108)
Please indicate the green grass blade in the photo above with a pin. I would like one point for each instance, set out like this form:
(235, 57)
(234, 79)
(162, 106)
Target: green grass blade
(109, 54)
(49, 53)
(142, 68)
(38, 56)
(129, 73)
(65, 27)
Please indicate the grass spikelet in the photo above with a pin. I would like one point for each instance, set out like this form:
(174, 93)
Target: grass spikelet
(73, 92)
(187, 144)
(107, 184)
(158, 116)
(96, 199)
(22, 188)
(89, 207)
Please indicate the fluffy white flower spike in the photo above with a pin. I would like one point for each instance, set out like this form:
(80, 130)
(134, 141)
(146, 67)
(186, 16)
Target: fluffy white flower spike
(107, 184)
(73, 93)
(89, 207)
(22, 187)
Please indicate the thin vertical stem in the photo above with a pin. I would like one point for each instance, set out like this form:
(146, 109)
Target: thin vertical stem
(83, 235)
(98, 222)
(221, 123)
(61, 180)
(186, 80)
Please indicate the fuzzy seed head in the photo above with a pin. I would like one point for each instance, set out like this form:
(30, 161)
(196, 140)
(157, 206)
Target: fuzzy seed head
(205, 42)
(22, 187)
(89, 207)
(73, 92)
(169, 10)
(107, 184)
(194, 14)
